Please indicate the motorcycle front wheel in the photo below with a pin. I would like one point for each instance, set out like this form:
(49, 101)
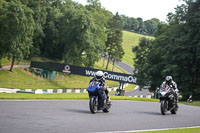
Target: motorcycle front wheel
(163, 107)
(93, 105)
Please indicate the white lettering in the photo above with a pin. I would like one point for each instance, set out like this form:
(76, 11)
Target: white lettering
(107, 75)
(89, 73)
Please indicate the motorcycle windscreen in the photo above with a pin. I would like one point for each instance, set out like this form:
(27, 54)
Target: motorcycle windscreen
(93, 87)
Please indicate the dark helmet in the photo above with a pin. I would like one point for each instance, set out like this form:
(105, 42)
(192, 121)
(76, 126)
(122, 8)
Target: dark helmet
(99, 75)
(168, 79)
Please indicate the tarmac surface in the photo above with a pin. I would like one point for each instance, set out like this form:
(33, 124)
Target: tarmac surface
(125, 66)
(73, 116)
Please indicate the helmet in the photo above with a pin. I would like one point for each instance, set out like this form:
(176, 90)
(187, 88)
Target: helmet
(168, 79)
(99, 75)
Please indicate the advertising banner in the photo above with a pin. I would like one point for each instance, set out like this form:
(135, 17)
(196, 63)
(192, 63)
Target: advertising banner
(121, 77)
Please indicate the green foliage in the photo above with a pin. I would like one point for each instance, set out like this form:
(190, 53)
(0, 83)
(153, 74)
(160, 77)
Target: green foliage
(137, 25)
(175, 51)
(3, 44)
(140, 60)
(63, 30)
(51, 46)
(114, 48)
(19, 25)
(39, 16)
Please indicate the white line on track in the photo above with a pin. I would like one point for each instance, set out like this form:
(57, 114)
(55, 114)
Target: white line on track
(134, 131)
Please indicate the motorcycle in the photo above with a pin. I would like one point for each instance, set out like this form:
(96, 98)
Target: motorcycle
(98, 98)
(168, 101)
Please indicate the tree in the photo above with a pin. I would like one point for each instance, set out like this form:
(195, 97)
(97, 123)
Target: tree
(141, 26)
(114, 40)
(3, 39)
(151, 26)
(137, 25)
(18, 25)
(82, 33)
(39, 8)
(140, 61)
(51, 46)
(175, 52)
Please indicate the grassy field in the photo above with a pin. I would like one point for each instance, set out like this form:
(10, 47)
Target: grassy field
(185, 130)
(130, 39)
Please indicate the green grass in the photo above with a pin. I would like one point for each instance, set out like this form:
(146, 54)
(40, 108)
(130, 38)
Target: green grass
(130, 39)
(184, 130)
(5, 61)
(194, 103)
(23, 79)
(61, 96)
(130, 87)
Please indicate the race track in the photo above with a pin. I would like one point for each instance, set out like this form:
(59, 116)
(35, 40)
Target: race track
(65, 116)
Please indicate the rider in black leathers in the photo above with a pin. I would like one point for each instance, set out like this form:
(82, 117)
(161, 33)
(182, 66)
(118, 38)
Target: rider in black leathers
(169, 82)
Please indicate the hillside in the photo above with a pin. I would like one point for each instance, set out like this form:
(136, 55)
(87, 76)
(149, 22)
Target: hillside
(21, 78)
(130, 39)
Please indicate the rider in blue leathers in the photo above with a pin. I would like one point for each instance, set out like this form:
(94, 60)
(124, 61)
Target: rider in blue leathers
(99, 77)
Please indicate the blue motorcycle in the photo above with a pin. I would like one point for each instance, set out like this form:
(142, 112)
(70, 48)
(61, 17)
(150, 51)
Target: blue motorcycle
(98, 98)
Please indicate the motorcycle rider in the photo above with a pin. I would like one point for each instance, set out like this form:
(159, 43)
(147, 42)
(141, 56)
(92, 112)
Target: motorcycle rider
(99, 77)
(170, 83)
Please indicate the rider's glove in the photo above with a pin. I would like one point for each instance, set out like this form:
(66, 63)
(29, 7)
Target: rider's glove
(176, 90)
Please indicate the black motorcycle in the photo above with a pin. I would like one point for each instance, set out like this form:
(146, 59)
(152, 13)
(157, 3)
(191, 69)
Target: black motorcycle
(168, 101)
(98, 98)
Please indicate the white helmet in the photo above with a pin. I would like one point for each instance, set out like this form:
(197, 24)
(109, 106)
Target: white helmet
(99, 75)
(168, 79)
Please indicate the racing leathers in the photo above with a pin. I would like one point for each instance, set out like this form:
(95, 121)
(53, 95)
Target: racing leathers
(172, 85)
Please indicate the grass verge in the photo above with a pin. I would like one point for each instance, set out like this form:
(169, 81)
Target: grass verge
(184, 130)
(194, 103)
(66, 96)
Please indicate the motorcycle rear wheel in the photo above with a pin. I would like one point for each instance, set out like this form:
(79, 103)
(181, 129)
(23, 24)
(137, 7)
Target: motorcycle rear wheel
(173, 111)
(93, 105)
(105, 110)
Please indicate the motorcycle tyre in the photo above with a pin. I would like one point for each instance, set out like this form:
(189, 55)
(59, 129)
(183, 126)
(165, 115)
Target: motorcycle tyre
(174, 111)
(105, 110)
(93, 105)
(163, 109)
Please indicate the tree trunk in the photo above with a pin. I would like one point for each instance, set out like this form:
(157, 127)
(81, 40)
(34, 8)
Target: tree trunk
(113, 64)
(108, 62)
(13, 62)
